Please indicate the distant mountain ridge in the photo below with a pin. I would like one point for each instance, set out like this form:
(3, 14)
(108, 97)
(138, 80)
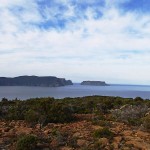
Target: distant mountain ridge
(45, 81)
(96, 83)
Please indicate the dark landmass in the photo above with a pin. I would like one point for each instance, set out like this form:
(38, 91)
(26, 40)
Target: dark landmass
(95, 83)
(47, 81)
(89, 123)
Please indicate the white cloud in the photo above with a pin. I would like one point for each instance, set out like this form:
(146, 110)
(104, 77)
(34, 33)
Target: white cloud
(114, 48)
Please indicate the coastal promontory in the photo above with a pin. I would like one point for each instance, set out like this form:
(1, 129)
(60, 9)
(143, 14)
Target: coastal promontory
(45, 81)
(94, 83)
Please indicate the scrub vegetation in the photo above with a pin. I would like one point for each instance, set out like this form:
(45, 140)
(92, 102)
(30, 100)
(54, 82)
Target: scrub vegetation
(55, 123)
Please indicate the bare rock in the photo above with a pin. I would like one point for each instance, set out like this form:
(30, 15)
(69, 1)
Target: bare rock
(67, 148)
(116, 142)
(104, 141)
(127, 133)
(139, 144)
(77, 134)
(81, 142)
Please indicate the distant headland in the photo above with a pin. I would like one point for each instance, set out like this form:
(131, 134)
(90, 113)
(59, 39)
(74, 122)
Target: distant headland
(44, 81)
(95, 83)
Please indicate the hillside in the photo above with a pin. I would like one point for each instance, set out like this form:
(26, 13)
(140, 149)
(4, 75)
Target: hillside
(48, 81)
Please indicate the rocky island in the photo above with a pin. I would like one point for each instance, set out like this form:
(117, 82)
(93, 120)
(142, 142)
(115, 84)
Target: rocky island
(95, 83)
(45, 81)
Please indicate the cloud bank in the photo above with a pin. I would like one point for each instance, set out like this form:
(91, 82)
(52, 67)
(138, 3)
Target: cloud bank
(90, 39)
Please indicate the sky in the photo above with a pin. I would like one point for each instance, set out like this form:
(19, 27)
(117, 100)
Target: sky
(106, 40)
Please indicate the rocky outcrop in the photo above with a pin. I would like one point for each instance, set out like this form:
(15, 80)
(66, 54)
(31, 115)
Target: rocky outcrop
(95, 83)
(48, 81)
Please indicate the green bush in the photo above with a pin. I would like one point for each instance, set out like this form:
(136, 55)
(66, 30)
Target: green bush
(31, 116)
(98, 146)
(134, 121)
(15, 111)
(105, 132)
(146, 123)
(26, 142)
(59, 113)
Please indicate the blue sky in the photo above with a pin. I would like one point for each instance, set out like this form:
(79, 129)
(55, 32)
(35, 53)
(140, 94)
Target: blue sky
(105, 40)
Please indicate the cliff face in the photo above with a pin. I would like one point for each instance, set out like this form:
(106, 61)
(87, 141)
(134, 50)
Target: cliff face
(96, 83)
(48, 81)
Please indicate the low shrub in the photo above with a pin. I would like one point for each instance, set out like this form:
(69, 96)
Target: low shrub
(98, 146)
(146, 123)
(105, 123)
(134, 121)
(72, 142)
(31, 116)
(97, 118)
(59, 113)
(130, 114)
(26, 142)
(105, 132)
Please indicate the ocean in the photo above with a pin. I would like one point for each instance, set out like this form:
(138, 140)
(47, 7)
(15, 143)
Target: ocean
(76, 90)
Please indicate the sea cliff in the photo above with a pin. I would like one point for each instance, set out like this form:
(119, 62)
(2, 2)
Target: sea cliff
(48, 81)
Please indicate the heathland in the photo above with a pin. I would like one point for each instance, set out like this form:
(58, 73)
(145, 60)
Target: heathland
(87, 123)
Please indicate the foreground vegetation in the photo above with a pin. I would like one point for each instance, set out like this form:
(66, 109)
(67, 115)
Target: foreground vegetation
(100, 113)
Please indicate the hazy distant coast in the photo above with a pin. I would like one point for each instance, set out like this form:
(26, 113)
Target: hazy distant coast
(45, 81)
(94, 83)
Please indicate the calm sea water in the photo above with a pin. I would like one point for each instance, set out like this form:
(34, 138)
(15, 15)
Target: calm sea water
(76, 90)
